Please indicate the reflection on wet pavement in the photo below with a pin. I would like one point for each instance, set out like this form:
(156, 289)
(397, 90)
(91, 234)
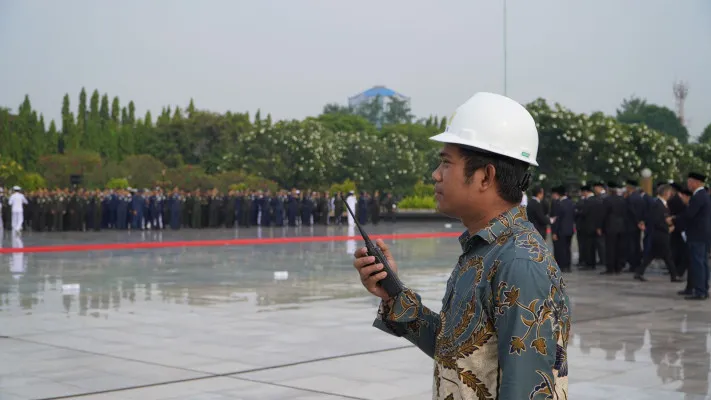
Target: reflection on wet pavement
(291, 321)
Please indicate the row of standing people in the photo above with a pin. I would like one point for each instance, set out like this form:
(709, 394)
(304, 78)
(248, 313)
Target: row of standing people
(622, 225)
(79, 210)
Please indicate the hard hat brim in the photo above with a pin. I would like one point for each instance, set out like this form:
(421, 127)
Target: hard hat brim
(447, 137)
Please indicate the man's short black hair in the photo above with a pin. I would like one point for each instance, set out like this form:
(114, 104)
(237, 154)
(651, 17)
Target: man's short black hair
(536, 190)
(512, 176)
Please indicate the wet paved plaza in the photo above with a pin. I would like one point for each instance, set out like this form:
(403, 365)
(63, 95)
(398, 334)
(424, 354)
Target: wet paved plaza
(291, 321)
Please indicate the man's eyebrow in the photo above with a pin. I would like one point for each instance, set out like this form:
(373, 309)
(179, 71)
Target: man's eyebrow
(444, 154)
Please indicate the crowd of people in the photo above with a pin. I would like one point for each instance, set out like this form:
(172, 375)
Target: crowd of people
(84, 210)
(625, 229)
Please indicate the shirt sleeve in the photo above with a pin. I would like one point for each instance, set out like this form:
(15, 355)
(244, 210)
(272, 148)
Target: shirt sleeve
(532, 322)
(409, 318)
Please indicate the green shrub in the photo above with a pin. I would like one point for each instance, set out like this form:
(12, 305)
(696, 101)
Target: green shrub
(344, 187)
(117, 183)
(32, 181)
(417, 203)
(423, 190)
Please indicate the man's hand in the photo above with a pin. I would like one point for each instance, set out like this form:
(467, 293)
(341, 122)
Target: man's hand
(362, 264)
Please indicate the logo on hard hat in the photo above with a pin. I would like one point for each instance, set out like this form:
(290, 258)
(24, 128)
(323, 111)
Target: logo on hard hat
(525, 154)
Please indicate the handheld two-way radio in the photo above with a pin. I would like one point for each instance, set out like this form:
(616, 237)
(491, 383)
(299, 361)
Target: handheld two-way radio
(391, 283)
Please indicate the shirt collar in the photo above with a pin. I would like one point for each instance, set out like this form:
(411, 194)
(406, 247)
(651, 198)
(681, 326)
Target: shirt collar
(698, 189)
(663, 201)
(496, 228)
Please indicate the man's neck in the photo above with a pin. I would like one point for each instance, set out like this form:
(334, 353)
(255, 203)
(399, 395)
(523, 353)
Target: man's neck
(475, 224)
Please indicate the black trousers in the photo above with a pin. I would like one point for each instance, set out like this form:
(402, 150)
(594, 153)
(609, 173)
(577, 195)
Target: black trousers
(561, 251)
(615, 251)
(634, 241)
(600, 249)
(660, 247)
(587, 245)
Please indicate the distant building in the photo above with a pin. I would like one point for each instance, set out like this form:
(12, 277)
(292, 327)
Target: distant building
(386, 95)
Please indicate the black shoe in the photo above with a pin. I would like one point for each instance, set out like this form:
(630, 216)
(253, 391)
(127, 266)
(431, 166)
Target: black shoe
(675, 279)
(684, 293)
(606, 273)
(640, 278)
(696, 297)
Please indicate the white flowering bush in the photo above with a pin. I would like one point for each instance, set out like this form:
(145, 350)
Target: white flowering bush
(582, 148)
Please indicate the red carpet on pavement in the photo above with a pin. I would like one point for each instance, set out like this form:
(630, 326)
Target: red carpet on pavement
(208, 243)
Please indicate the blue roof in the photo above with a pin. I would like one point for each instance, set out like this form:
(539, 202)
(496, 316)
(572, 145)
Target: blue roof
(379, 91)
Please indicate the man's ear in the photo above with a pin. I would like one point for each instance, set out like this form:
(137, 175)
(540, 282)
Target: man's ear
(488, 177)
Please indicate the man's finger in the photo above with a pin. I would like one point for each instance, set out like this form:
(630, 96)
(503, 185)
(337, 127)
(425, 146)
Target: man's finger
(362, 252)
(363, 261)
(365, 272)
(371, 281)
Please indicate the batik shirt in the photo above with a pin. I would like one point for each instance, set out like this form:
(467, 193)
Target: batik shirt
(503, 329)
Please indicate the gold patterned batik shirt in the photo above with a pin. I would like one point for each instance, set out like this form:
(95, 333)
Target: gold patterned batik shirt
(503, 329)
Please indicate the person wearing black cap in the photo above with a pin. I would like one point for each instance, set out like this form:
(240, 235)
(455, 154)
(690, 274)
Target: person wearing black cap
(635, 222)
(586, 227)
(697, 220)
(598, 211)
(562, 229)
(536, 212)
(613, 227)
(659, 227)
(680, 253)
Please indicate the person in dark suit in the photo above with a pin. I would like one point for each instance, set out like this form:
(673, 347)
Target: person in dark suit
(680, 252)
(562, 229)
(613, 227)
(648, 204)
(586, 225)
(535, 211)
(658, 227)
(635, 220)
(697, 220)
(598, 213)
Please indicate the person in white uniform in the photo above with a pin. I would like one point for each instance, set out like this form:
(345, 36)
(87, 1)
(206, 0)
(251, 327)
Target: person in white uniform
(17, 202)
(351, 200)
(524, 200)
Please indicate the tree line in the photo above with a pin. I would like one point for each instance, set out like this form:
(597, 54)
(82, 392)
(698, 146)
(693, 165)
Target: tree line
(376, 146)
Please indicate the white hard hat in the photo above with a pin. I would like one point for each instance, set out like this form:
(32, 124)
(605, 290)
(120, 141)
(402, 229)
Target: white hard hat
(493, 123)
(16, 188)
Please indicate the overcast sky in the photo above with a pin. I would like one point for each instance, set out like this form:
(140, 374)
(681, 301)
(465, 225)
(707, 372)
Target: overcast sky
(291, 57)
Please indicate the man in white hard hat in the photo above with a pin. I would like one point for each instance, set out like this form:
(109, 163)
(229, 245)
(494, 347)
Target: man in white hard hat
(17, 202)
(504, 325)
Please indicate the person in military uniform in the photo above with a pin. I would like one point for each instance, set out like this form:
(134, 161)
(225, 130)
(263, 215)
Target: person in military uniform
(196, 217)
(59, 210)
(338, 208)
(229, 202)
(390, 206)
(293, 206)
(278, 208)
(375, 207)
(175, 204)
(265, 214)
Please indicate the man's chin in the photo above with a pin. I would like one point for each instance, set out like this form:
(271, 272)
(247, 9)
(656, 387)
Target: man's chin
(444, 211)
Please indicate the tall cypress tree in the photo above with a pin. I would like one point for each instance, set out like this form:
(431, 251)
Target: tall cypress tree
(52, 139)
(68, 125)
(93, 124)
(80, 133)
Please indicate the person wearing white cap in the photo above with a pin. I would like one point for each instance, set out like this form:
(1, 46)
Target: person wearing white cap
(503, 328)
(351, 200)
(17, 202)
